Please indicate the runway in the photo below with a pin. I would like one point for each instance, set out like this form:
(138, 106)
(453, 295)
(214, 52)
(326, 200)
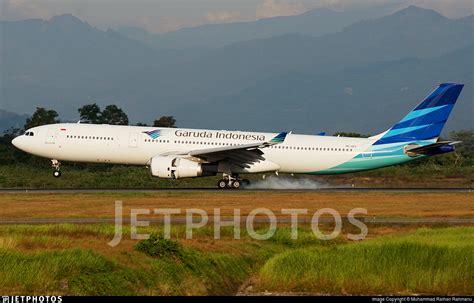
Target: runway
(448, 206)
(280, 220)
(178, 190)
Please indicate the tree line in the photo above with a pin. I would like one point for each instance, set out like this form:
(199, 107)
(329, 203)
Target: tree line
(92, 113)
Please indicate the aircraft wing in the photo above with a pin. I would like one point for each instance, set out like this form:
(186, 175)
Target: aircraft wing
(240, 155)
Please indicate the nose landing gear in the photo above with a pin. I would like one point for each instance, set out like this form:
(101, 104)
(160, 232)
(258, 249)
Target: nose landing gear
(56, 166)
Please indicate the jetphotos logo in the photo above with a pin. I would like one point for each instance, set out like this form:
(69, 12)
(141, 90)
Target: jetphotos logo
(31, 299)
(154, 134)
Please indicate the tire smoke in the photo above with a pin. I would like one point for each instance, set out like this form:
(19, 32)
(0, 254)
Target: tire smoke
(274, 182)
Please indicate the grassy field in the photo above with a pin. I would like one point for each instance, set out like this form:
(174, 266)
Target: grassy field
(116, 176)
(102, 204)
(21, 176)
(75, 260)
(423, 262)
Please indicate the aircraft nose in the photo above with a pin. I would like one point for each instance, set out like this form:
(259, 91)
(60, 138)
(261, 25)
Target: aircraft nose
(17, 142)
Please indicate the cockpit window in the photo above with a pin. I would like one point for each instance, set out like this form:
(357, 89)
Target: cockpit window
(30, 134)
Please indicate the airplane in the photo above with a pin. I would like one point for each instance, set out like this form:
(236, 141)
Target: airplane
(175, 153)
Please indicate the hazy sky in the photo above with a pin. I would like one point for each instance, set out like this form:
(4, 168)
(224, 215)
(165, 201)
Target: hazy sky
(168, 15)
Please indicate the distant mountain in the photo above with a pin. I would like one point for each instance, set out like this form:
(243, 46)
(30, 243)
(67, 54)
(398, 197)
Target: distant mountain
(266, 84)
(409, 33)
(11, 120)
(315, 22)
(366, 99)
(65, 59)
(65, 43)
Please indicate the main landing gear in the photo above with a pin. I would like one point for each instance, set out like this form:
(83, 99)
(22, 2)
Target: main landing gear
(56, 166)
(232, 182)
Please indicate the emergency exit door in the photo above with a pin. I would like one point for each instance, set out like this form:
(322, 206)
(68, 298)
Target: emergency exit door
(133, 140)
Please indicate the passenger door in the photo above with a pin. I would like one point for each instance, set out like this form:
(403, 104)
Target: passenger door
(51, 136)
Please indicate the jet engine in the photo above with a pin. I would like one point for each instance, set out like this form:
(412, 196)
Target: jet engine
(173, 167)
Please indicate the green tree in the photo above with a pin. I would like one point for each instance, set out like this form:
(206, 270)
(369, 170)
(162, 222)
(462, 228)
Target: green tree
(12, 132)
(465, 149)
(90, 113)
(467, 138)
(8, 153)
(114, 115)
(349, 134)
(41, 116)
(141, 124)
(165, 121)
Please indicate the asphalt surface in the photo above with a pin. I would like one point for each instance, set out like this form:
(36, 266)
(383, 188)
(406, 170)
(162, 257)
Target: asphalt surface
(177, 190)
(182, 220)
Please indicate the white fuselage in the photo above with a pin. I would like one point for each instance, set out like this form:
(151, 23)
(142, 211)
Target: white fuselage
(132, 145)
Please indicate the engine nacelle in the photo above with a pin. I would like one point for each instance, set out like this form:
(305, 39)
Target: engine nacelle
(172, 167)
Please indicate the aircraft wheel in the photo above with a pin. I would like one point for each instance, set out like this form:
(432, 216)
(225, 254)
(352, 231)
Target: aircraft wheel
(236, 184)
(222, 184)
(56, 173)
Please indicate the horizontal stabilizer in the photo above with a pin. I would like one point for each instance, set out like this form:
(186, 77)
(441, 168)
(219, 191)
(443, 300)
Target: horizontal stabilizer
(431, 149)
